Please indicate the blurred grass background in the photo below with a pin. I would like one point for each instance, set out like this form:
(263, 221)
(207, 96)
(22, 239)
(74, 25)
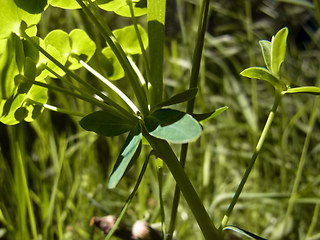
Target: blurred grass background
(67, 168)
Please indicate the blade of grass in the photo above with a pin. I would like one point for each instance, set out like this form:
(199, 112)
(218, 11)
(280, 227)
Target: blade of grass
(156, 22)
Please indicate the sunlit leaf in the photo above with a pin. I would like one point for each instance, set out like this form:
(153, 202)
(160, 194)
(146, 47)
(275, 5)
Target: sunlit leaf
(65, 4)
(264, 74)
(111, 65)
(173, 126)
(305, 89)
(129, 153)
(105, 123)
(128, 40)
(278, 50)
(179, 98)
(266, 52)
(12, 12)
(121, 7)
(209, 115)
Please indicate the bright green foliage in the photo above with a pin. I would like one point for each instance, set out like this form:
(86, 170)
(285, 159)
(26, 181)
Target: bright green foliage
(173, 126)
(17, 94)
(306, 89)
(128, 39)
(128, 154)
(278, 50)
(121, 7)
(111, 64)
(105, 124)
(12, 12)
(73, 47)
(264, 74)
(70, 4)
(266, 52)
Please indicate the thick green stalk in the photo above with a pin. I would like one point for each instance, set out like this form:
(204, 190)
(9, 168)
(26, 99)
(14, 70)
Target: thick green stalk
(246, 174)
(165, 152)
(194, 79)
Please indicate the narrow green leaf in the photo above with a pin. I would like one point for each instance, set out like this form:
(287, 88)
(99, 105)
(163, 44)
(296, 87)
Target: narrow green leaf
(266, 52)
(128, 154)
(173, 126)
(178, 98)
(264, 74)
(156, 24)
(243, 232)
(209, 115)
(305, 89)
(128, 40)
(105, 123)
(278, 50)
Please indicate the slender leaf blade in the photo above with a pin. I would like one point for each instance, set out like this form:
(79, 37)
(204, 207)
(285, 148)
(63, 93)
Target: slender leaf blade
(266, 52)
(244, 232)
(263, 74)
(127, 154)
(306, 89)
(105, 123)
(173, 126)
(278, 50)
(209, 115)
(179, 98)
(156, 22)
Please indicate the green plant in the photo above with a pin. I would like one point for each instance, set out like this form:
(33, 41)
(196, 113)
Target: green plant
(30, 61)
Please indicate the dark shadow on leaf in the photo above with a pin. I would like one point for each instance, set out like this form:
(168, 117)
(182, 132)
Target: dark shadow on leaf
(163, 117)
(21, 114)
(141, 4)
(32, 6)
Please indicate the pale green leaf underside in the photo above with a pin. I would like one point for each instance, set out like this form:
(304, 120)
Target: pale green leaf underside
(266, 52)
(126, 155)
(263, 74)
(173, 126)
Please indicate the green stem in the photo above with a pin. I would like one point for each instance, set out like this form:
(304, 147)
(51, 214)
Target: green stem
(165, 152)
(194, 79)
(107, 34)
(253, 159)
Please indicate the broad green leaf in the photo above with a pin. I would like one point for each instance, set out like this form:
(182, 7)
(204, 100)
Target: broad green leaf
(305, 89)
(179, 98)
(243, 232)
(128, 40)
(173, 126)
(111, 65)
(65, 4)
(129, 153)
(278, 50)
(266, 52)
(156, 32)
(12, 12)
(105, 123)
(11, 64)
(264, 74)
(209, 115)
(73, 47)
(121, 7)
(20, 105)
